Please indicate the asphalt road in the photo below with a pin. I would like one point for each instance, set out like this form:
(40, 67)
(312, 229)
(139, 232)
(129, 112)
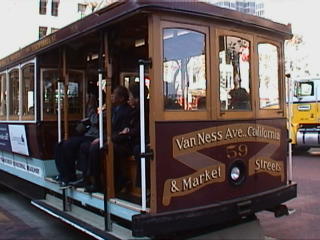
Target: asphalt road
(19, 220)
(304, 222)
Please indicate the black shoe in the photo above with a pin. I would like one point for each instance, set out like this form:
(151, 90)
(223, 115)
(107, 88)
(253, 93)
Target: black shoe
(78, 184)
(57, 178)
(64, 184)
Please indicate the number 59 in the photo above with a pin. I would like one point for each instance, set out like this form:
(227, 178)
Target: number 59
(235, 151)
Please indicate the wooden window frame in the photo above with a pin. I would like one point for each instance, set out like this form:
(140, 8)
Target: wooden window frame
(29, 116)
(3, 82)
(173, 115)
(13, 117)
(53, 117)
(271, 113)
(236, 114)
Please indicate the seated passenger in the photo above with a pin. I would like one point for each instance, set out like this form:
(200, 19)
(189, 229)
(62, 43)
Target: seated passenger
(240, 98)
(91, 174)
(67, 151)
(134, 129)
(121, 112)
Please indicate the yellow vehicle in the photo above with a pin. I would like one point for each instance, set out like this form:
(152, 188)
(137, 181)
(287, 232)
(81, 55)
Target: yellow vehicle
(305, 124)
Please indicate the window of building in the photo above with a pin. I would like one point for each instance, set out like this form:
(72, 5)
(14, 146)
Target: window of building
(13, 94)
(54, 7)
(234, 68)
(42, 32)
(28, 94)
(3, 96)
(268, 76)
(43, 7)
(82, 8)
(184, 69)
(54, 30)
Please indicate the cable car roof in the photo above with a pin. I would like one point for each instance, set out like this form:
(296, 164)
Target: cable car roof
(122, 9)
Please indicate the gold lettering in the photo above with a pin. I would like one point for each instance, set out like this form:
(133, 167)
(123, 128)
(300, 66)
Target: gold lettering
(201, 138)
(186, 183)
(179, 143)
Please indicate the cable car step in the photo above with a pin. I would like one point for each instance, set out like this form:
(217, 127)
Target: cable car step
(80, 218)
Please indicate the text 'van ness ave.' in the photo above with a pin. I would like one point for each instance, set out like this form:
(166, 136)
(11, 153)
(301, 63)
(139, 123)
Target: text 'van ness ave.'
(204, 137)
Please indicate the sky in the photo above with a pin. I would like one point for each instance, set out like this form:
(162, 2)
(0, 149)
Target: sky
(304, 18)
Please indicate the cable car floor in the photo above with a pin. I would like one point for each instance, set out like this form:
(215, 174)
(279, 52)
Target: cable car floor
(131, 194)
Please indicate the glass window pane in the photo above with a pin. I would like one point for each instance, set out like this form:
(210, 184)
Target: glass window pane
(184, 70)
(14, 95)
(3, 96)
(50, 90)
(268, 76)
(234, 68)
(28, 92)
(50, 97)
(304, 89)
(75, 92)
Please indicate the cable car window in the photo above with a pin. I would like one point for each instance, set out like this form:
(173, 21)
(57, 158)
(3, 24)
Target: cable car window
(13, 94)
(75, 92)
(234, 69)
(28, 93)
(268, 76)
(3, 96)
(50, 94)
(184, 70)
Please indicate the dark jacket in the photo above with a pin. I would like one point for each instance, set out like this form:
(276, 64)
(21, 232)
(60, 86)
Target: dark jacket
(121, 115)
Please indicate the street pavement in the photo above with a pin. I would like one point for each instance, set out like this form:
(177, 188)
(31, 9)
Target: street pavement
(12, 227)
(19, 220)
(303, 224)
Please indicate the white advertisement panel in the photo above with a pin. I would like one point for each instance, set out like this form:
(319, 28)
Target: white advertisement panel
(18, 139)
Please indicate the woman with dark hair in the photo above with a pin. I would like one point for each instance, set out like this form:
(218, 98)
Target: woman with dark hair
(133, 131)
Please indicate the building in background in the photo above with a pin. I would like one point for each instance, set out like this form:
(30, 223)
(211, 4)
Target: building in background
(25, 21)
(253, 7)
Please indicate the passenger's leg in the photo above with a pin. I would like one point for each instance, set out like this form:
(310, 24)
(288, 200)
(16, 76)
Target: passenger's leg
(121, 153)
(58, 156)
(70, 151)
(93, 171)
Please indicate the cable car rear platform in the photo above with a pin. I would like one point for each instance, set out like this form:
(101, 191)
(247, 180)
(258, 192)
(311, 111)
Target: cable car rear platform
(202, 217)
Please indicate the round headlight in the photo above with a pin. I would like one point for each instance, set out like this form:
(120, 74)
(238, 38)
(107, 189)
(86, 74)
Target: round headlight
(235, 173)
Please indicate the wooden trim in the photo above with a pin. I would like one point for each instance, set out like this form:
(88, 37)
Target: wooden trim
(155, 85)
(236, 114)
(185, 115)
(65, 99)
(214, 55)
(270, 113)
(109, 172)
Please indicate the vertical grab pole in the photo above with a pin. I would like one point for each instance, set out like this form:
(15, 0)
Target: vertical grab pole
(289, 94)
(142, 140)
(100, 112)
(59, 111)
(108, 178)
